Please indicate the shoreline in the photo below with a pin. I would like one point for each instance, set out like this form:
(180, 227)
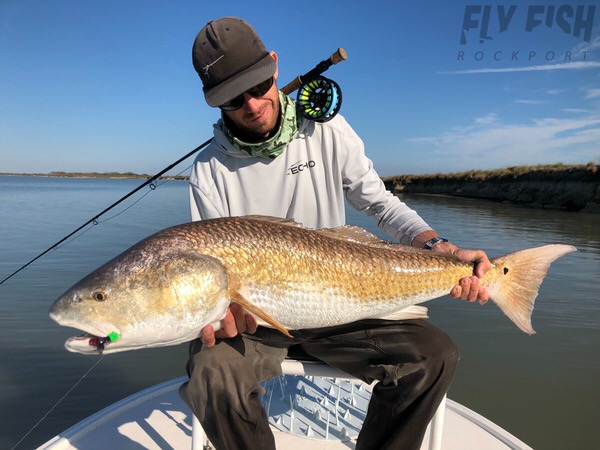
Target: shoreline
(101, 175)
(574, 188)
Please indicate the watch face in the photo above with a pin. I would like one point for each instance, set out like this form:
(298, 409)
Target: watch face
(433, 241)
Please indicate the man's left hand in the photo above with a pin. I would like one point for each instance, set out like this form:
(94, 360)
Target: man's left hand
(468, 288)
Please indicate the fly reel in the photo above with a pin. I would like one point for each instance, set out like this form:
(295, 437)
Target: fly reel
(320, 99)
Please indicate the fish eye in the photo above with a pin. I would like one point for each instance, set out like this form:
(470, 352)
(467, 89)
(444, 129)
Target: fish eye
(99, 296)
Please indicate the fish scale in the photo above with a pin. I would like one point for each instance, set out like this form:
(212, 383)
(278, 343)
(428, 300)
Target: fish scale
(164, 289)
(315, 261)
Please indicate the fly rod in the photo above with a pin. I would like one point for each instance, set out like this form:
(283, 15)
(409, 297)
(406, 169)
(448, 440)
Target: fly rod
(339, 55)
(95, 218)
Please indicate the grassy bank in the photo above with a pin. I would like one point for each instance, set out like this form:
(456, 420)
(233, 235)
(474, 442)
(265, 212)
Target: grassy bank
(555, 186)
(558, 170)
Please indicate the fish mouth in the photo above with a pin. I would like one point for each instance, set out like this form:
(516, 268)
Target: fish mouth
(88, 343)
(95, 338)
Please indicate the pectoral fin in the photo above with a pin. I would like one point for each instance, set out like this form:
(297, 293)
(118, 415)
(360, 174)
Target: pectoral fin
(236, 297)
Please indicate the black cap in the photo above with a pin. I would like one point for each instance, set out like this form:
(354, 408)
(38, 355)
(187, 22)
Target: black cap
(230, 58)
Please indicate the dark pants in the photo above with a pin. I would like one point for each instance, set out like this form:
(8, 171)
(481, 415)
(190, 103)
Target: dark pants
(413, 361)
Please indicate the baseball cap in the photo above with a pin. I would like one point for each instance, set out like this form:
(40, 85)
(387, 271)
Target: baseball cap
(230, 58)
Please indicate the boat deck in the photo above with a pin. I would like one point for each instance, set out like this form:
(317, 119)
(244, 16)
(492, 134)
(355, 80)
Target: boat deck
(307, 408)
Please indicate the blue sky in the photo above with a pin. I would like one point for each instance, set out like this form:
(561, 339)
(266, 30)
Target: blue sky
(109, 86)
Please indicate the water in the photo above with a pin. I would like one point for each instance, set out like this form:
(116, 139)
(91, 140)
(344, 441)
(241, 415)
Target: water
(542, 388)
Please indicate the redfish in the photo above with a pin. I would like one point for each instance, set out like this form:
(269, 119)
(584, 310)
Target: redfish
(167, 287)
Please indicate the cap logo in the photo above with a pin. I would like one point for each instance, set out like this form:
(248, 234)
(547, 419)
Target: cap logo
(207, 67)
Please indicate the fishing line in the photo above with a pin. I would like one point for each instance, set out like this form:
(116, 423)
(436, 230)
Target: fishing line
(60, 400)
(94, 220)
(152, 186)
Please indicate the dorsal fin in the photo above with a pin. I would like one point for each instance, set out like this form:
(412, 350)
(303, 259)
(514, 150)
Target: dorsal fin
(279, 220)
(348, 233)
(354, 234)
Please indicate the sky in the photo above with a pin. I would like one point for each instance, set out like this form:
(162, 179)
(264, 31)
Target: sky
(437, 86)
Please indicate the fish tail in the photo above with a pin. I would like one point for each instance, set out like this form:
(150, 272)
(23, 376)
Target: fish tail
(520, 276)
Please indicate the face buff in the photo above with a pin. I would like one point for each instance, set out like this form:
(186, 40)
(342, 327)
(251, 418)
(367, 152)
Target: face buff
(273, 147)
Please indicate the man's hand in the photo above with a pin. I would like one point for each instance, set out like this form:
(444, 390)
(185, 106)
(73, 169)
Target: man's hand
(236, 321)
(468, 288)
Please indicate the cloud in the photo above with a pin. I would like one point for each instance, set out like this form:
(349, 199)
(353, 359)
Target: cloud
(487, 143)
(487, 119)
(580, 65)
(577, 110)
(530, 102)
(592, 93)
(587, 47)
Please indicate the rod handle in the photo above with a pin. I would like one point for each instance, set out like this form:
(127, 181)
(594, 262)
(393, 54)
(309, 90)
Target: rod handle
(292, 85)
(339, 56)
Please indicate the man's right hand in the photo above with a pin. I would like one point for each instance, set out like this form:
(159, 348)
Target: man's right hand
(236, 321)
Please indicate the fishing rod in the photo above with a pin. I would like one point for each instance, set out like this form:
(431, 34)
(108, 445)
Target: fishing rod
(322, 101)
(339, 56)
(95, 218)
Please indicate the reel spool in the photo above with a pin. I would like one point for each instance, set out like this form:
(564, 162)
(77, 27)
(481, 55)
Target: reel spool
(320, 99)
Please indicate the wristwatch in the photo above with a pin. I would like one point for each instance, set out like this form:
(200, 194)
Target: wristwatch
(433, 242)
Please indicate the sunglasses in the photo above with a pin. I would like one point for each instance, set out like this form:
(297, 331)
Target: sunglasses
(257, 91)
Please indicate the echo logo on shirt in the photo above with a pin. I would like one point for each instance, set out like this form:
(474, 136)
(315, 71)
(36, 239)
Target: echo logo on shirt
(300, 166)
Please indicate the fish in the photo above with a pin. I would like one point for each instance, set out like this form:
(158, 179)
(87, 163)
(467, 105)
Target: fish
(166, 288)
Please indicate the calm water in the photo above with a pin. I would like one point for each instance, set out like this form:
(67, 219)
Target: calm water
(542, 388)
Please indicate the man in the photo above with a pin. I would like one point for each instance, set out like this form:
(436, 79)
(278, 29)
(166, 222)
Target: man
(252, 167)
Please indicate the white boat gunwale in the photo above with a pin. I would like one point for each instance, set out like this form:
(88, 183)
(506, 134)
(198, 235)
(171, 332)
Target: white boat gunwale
(66, 439)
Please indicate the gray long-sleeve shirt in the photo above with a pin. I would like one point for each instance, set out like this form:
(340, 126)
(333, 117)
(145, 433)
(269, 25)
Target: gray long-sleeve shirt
(307, 182)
